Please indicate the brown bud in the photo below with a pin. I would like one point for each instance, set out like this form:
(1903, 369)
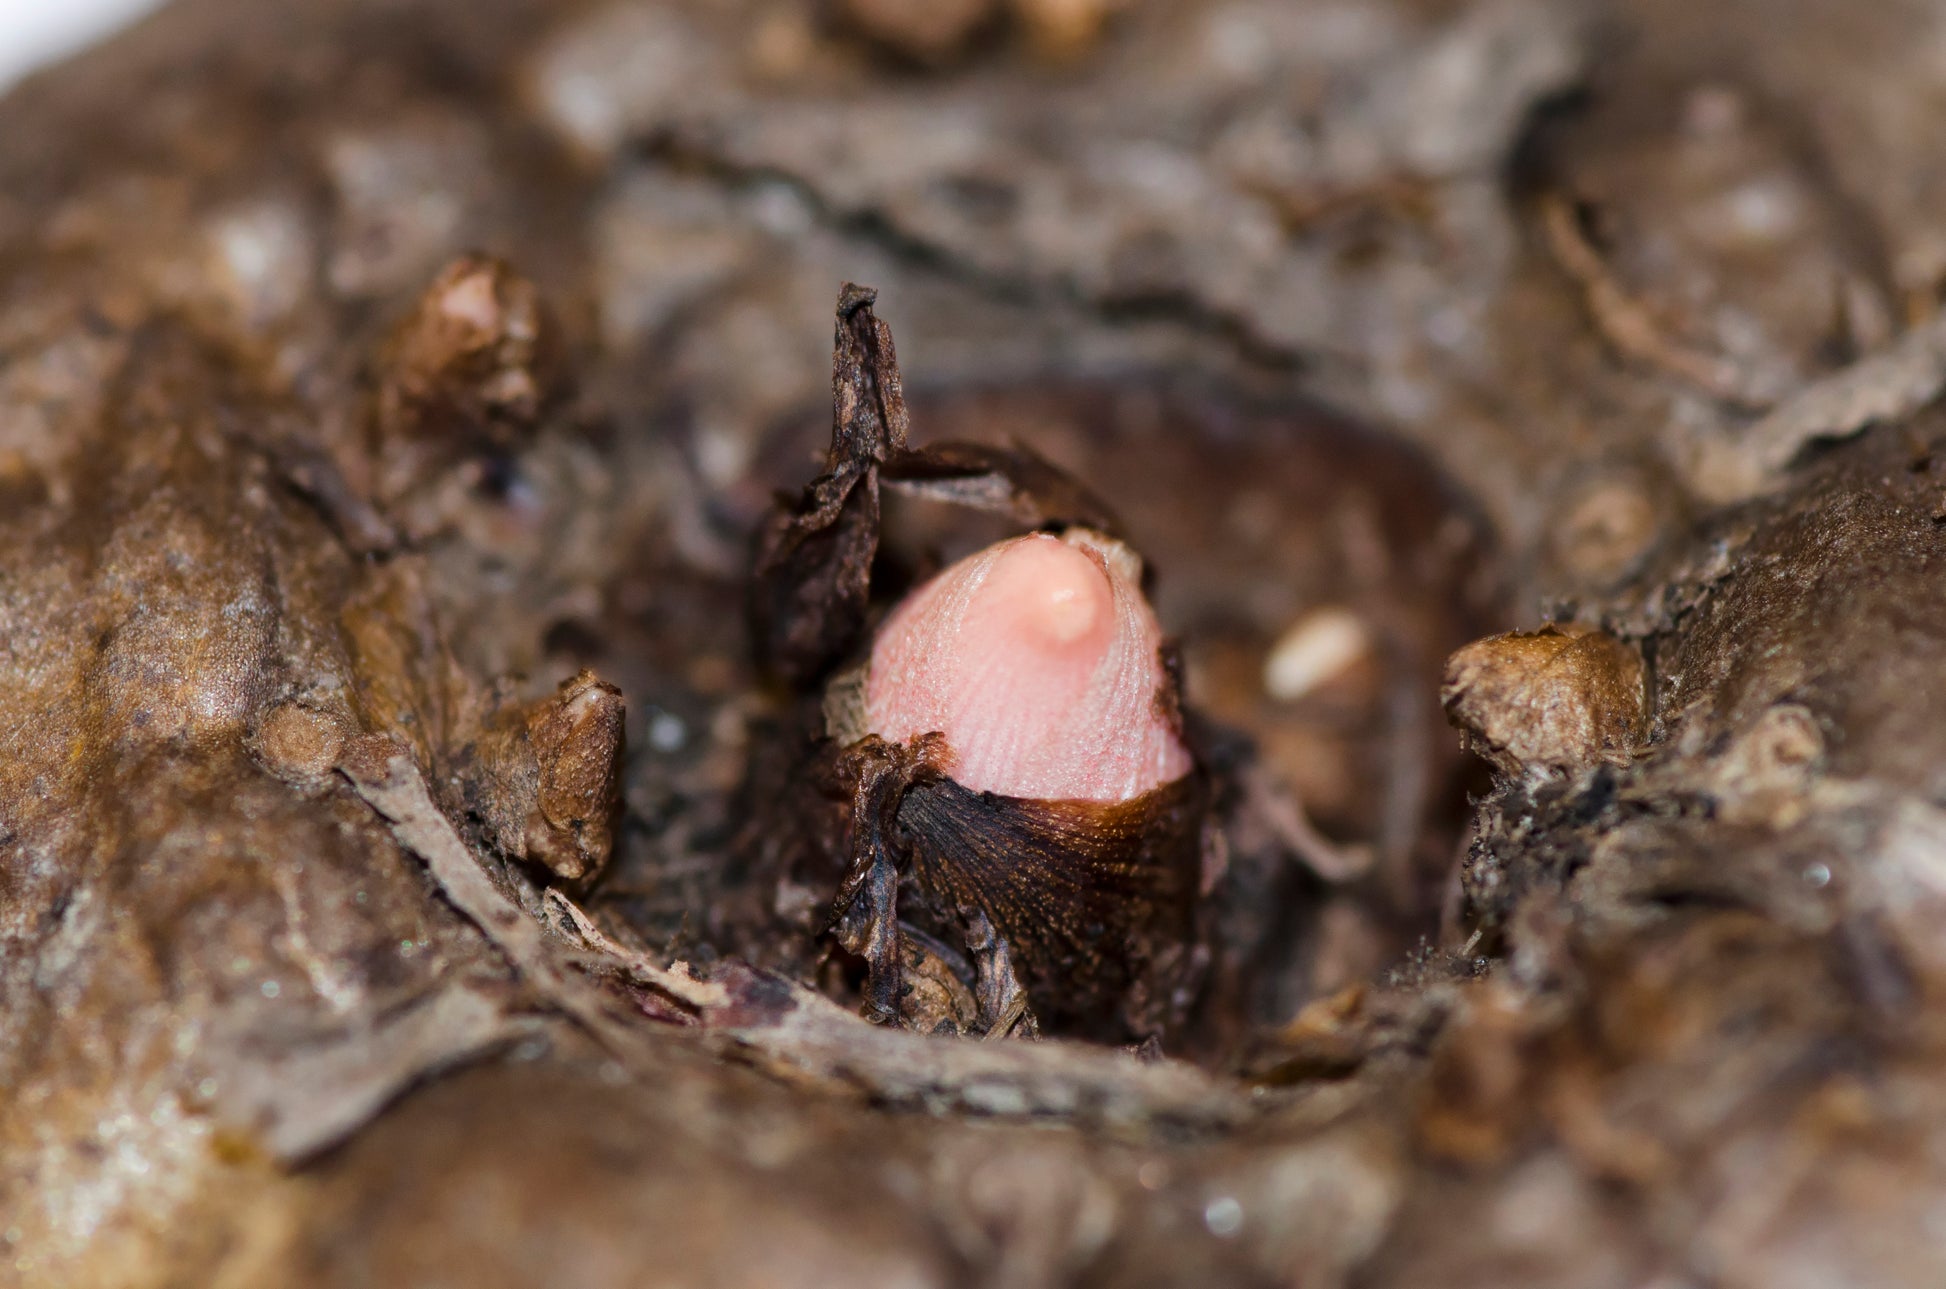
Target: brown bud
(577, 739)
(299, 744)
(1064, 30)
(1555, 701)
(551, 780)
(471, 369)
(925, 31)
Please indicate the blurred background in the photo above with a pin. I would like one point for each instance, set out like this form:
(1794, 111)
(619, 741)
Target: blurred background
(36, 32)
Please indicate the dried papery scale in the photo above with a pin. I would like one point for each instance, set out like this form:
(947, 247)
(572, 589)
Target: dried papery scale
(469, 375)
(1008, 743)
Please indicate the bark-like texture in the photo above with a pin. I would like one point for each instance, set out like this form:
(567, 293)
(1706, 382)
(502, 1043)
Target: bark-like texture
(368, 369)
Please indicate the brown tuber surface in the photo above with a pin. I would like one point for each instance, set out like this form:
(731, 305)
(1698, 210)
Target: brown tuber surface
(1626, 309)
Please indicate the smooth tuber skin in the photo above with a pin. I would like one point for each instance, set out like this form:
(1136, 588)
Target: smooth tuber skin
(1040, 661)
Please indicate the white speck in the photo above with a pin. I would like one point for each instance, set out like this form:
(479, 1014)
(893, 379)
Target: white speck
(271, 989)
(249, 254)
(667, 733)
(583, 110)
(780, 211)
(1766, 210)
(1817, 876)
(722, 455)
(206, 1088)
(1238, 47)
(1449, 328)
(1223, 1216)
(1315, 648)
(266, 252)
(996, 1098)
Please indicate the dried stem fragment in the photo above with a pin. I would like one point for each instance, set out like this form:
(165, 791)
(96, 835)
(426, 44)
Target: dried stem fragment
(384, 775)
(814, 561)
(1882, 387)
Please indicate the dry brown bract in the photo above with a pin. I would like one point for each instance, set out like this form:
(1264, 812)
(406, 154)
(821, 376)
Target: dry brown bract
(550, 778)
(1555, 701)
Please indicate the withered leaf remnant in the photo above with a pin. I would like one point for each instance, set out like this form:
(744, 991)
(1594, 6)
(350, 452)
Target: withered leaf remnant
(814, 558)
(1086, 894)
(814, 561)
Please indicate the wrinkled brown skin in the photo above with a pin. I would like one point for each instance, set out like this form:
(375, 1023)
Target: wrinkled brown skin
(244, 957)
